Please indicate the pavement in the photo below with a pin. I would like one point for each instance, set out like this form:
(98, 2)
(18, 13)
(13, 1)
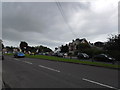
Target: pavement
(0, 70)
(0, 73)
(39, 73)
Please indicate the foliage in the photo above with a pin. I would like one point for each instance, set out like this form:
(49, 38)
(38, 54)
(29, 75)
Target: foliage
(113, 43)
(43, 49)
(73, 61)
(9, 48)
(64, 49)
(37, 49)
(113, 46)
(99, 44)
(82, 46)
(93, 51)
(23, 45)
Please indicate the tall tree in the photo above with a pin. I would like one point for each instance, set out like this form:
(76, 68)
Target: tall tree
(99, 44)
(82, 46)
(9, 48)
(113, 46)
(64, 49)
(113, 43)
(23, 46)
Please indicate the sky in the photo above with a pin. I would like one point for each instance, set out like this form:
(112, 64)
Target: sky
(43, 23)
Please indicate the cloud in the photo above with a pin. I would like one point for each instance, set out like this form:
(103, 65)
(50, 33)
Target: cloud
(42, 22)
(94, 21)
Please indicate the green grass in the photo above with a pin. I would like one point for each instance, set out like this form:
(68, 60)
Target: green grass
(8, 54)
(71, 60)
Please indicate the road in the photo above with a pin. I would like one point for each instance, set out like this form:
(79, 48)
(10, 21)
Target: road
(38, 73)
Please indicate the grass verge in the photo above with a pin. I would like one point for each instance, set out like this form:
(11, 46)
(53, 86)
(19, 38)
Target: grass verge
(72, 61)
(8, 54)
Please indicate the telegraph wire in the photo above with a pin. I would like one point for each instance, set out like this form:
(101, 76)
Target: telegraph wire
(64, 17)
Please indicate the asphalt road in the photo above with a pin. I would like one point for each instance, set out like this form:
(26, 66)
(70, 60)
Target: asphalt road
(37, 73)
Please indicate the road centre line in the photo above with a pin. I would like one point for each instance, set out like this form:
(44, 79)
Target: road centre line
(23, 61)
(99, 83)
(49, 68)
(17, 59)
(27, 62)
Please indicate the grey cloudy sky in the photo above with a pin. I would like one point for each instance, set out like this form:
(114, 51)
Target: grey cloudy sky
(41, 23)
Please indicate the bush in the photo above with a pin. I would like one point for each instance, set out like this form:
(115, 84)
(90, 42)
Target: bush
(93, 51)
(115, 54)
(113, 46)
(82, 46)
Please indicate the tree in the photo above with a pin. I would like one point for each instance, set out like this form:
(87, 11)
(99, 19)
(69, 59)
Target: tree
(41, 49)
(56, 48)
(99, 44)
(112, 46)
(113, 43)
(9, 49)
(82, 46)
(23, 46)
(64, 49)
(93, 51)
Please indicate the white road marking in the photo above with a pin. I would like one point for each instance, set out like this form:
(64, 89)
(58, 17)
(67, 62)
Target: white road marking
(98, 83)
(23, 61)
(27, 62)
(17, 59)
(49, 68)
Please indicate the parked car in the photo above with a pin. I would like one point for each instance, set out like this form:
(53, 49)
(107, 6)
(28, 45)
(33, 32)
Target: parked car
(65, 55)
(82, 56)
(43, 54)
(19, 54)
(54, 54)
(32, 53)
(103, 57)
(58, 54)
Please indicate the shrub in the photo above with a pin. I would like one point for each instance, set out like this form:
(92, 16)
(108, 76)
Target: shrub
(93, 51)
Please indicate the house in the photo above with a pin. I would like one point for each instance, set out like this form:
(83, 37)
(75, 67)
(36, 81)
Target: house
(74, 43)
(4, 50)
(57, 50)
(73, 46)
